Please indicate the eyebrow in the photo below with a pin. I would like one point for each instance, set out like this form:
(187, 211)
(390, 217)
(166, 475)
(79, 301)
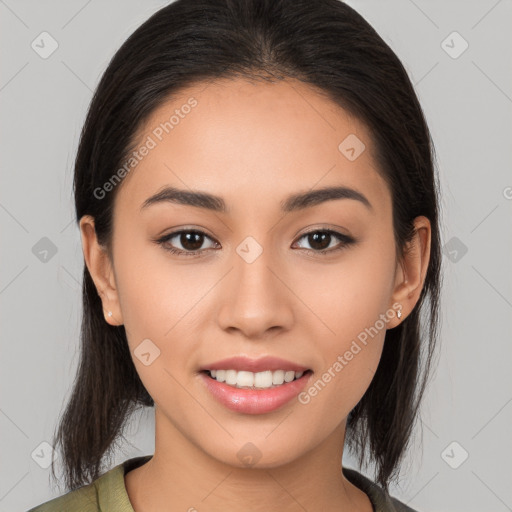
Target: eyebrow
(292, 203)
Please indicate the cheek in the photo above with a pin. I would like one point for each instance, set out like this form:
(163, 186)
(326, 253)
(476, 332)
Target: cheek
(159, 302)
(351, 303)
(156, 291)
(345, 297)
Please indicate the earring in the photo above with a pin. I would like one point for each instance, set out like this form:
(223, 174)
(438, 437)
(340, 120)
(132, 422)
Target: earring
(399, 313)
(110, 313)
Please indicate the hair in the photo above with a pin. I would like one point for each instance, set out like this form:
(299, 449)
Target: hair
(329, 46)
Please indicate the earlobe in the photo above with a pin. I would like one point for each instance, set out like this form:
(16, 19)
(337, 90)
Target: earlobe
(100, 267)
(411, 272)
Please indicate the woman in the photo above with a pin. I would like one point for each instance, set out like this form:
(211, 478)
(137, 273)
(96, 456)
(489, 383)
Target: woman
(258, 206)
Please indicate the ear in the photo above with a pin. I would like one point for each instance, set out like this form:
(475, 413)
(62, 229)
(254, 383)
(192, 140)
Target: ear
(410, 273)
(100, 267)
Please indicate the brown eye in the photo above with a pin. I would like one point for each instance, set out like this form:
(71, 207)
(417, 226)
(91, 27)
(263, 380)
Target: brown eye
(191, 242)
(320, 241)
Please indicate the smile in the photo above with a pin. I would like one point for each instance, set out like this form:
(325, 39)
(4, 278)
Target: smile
(251, 399)
(250, 380)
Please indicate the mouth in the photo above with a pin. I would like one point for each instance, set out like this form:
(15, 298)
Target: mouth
(248, 385)
(254, 393)
(266, 379)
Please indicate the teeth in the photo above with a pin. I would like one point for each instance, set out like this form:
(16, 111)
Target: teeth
(289, 376)
(244, 379)
(261, 380)
(278, 377)
(231, 377)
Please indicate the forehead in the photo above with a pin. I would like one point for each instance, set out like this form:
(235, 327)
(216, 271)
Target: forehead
(251, 142)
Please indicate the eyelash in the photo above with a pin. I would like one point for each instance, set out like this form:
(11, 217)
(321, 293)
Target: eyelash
(345, 242)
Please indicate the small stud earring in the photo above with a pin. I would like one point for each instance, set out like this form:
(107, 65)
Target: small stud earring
(110, 313)
(399, 313)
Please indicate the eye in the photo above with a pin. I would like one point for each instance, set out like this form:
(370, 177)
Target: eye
(320, 241)
(190, 240)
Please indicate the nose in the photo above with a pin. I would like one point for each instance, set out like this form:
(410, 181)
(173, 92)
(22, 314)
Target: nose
(256, 297)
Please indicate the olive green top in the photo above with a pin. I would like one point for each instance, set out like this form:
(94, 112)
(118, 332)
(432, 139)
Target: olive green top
(108, 493)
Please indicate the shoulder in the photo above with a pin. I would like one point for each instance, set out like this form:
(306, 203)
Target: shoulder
(106, 494)
(381, 501)
(84, 499)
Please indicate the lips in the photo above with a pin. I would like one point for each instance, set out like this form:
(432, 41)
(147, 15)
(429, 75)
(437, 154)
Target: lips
(242, 363)
(254, 401)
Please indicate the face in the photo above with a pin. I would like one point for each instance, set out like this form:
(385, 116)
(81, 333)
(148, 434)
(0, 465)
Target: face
(311, 284)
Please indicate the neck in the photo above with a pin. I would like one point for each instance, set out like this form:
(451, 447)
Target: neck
(180, 476)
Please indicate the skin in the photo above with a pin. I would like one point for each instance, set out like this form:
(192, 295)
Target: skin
(253, 144)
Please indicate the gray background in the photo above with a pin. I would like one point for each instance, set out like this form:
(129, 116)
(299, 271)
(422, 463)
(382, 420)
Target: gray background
(467, 101)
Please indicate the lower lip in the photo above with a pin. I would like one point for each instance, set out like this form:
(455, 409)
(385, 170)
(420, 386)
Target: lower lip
(253, 401)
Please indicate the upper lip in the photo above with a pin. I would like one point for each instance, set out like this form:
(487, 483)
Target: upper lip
(242, 363)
